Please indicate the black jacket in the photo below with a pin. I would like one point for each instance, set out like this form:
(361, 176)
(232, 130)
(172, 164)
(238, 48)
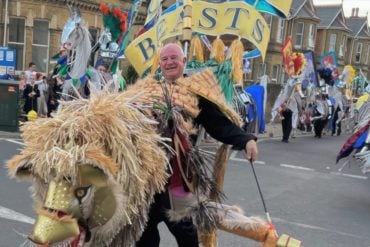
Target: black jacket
(220, 127)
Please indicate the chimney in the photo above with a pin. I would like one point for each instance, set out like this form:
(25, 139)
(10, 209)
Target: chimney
(357, 9)
(353, 12)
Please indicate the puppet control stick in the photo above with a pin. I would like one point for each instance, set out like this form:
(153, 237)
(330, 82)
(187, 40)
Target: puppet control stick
(284, 240)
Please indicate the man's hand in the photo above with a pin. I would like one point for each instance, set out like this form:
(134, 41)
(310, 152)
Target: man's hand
(251, 150)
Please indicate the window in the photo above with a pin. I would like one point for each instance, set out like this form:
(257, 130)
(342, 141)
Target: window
(311, 41)
(283, 76)
(275, 73)
(16, 39)
(280, 31)
(299, 35)
(332, 42)
(343, 46)
(358, 52)
(94, 33)
(40, 44)
(261, 70)
(268, 19)
(368, 54)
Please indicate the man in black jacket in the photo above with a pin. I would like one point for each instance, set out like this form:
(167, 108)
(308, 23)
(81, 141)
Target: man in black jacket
(172, 63)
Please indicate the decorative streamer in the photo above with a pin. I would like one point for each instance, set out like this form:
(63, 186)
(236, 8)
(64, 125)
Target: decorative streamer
(196, 49)
(236, 50)
(218, 50)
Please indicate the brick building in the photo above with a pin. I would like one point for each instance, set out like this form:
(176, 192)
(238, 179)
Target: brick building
(35, 27)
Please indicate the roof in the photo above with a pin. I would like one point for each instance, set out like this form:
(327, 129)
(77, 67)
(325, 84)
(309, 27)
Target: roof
(327, 14)
(296, 6)
(357, 26)
(303, 8)
(332, 16)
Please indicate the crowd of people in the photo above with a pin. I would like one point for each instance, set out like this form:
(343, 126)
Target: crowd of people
(40, 93)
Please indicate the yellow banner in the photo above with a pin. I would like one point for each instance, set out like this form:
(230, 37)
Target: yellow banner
(283, 6)
(154, 10)
(237, 18)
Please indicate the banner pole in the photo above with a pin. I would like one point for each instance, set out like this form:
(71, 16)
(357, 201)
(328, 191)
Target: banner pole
(187, 29)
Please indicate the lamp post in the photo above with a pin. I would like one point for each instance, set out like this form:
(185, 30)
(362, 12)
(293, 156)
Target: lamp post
(5, 22)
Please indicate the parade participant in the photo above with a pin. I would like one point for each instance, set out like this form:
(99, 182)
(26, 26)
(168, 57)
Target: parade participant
(43, 87)
(286, 121)
(172, 61)
(28, 73)
(30, 94)
(320, 114)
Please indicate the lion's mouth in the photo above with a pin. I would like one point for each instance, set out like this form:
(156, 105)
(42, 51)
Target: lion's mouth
(77, 241)
(55, 228)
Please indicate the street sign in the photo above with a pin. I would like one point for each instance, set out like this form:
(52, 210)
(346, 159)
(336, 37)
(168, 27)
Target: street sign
(7, 61)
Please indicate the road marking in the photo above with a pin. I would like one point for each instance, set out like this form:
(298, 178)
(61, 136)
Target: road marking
(259, 162)
(344, 164)
(233, 154)
(297, 167)
(16, 142)
(349, 175)
(319, 228)
(9, 214)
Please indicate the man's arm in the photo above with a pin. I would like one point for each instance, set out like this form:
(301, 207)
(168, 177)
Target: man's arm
(220, 127)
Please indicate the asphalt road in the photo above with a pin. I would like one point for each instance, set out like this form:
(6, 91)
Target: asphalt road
(307, 195)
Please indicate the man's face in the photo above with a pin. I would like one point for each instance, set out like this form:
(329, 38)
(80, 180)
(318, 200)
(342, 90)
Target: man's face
(172, 62)
(32, 79)
(33, 67)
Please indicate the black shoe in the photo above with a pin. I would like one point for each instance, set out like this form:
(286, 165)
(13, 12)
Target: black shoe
(284, 140)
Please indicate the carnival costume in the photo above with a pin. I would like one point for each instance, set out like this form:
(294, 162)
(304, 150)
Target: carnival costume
(96, 166)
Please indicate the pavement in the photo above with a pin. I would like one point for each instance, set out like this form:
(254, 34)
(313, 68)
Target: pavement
(11, 135)
(273, 130)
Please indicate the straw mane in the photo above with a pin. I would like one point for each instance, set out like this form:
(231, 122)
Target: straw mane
(107, 132)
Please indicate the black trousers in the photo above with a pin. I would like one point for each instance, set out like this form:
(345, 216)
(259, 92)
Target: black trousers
(334, 126)
(319, 125)
(286, 123)
(184, 231)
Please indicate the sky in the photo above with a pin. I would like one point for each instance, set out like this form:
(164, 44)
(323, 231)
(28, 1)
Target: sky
(363, 5)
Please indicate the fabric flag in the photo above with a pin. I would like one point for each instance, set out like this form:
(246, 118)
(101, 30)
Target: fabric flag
(349, 145)
(287, 51)
(154, 11)
(258, 92)
(360, 143)
(252, 54)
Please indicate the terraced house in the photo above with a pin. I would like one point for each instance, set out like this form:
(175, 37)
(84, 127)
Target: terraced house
(34, 28)
(359, 41)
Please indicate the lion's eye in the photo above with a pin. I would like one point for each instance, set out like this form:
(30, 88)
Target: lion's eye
(81, 192)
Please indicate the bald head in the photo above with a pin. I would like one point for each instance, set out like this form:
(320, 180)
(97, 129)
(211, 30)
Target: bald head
(172, 62)
(174, 47)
